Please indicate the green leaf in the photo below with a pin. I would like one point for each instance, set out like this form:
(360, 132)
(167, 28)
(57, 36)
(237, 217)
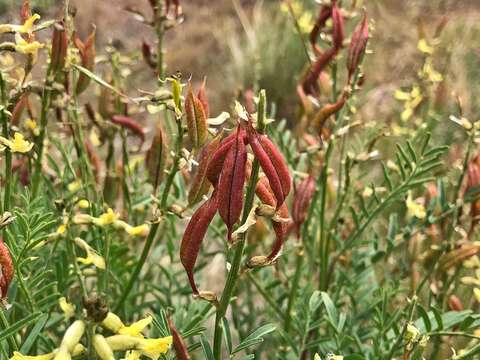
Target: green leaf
(227, 334)
(98, 80)
(207, 350)
(424, 315)
(34, 333)
(255, 337)
(19, 325)
(330, 307)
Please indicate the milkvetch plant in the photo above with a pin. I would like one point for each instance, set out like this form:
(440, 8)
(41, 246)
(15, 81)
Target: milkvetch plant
(339, 235)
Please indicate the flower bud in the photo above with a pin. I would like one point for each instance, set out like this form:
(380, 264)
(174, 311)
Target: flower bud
(104, 351)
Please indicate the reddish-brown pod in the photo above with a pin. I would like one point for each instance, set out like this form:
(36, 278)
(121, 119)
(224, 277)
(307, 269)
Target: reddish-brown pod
(338, 27)
(309, 83)
(19, 108)
(87, 56)
(326, 111)
(193, 237)
(6, 270)
(202, 96)
(59, 46)
(130, 124)
(231, 183)
(301, 202)
(200, 184)
(156, 159)
(357, 47)
(148, 55)
(272, 163)
(178, 344)
(216, 161)
(323, 15)
(196, 119)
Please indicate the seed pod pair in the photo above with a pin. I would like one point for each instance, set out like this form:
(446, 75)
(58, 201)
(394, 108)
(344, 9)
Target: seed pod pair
(357, 47)
(6, 270)
(156, 159)
(59, 46)
(215, 164)
(301, 202)
(130, 124)
(196, 119)
(200, 184)
(231, 182)
(87, 56)
(194, 235)
(272, 163)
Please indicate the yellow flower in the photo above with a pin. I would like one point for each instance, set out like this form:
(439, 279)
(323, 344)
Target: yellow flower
(136, 328)
(26, 28)
(19, 356)
(106, 218)
(67, 308)
(414, 209)
(92, 256)
(153, 348)
(32, 125)
(141, 230)
(104, 351)
(83, 204)
(112, 322)
(424, 47)
(17, 144)
(74, 186)
(24, 47)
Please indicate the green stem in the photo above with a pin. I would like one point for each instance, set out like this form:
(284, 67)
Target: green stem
(295, 284)
(12, 342)
(233, 274)
(324, 243)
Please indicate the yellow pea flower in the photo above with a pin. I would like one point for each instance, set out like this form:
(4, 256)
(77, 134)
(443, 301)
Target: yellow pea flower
(33, 126)
(83, 204)
(26, 28)
(106, 218)
(19, 356)
(67, 308)
(92, 256)
(141, 230)
(414, 209)
(133, 355)
(112, 322)
(136, 328)
(104, 351)
(17, 144)
(24, 47)
(424, 47)
(153, 348)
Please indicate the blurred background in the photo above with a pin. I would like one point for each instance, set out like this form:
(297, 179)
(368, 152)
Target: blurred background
(239, 43)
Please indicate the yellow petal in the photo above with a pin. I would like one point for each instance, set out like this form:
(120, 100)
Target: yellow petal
(112, 322)
(106, 218)
(19, 356)
(27, 26)
(133, 355)
(67, 308)
(17, 144)
(136, 328)
(153, 348)
(476, 292)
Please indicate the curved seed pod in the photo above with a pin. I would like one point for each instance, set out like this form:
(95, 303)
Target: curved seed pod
(6, 270)
(147, 55)
(87, 55)
(326, 111)
(202, 96)
(301, 202)
(196, 119)
(309, 83)
(178, 344)
(216, 161)
(323, 15)
(338, 31)
(128, 123)
(200, 184)
(457, 256)
(272, 163)
(194, 235)
(156, 159)
(59, 46)
(231, 182)
(357, 47)
(19, 108)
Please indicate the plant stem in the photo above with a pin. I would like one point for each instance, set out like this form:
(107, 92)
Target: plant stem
(233, 274)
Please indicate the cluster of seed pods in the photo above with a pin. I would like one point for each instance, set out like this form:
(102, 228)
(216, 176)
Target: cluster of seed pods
(224, 164)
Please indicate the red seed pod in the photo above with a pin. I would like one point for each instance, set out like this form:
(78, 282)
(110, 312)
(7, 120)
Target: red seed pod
(202, 96)
(473, 180)
(357, 47)
(178, 344)
(338, 30)
(215, 164)
(272, 163)
(59, 46)
(87, 56)
(309, 82)
(323, 15)
(194, 235)
(200, 184)
(231, 182)
(196, 119)
(148, 55)
(6, 270)
(130, 124)
(301, 202)
(19, 108)
(156, 159)
(455, 304)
